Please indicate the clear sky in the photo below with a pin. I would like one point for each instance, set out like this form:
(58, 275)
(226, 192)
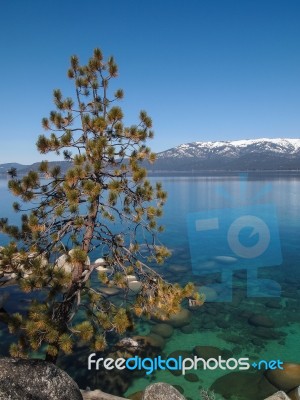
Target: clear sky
(203, 69)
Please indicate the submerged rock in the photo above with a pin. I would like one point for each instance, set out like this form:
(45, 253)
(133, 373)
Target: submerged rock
(207, 352)
(191, 377)
(35, 379)
(180, 319)
(163, 330)
(285, 379)
(274, 304)
(151, 340)
(261, 320)
(244, 385)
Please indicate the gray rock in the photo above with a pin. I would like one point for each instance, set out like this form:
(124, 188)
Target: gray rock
(35, 379)
(99, 395)
(278, 396)
(162, 391)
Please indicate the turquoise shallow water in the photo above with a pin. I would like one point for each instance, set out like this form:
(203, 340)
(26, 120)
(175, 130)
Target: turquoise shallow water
(223, 324)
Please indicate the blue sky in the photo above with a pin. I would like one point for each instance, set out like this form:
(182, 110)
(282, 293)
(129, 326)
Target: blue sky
(203, 69)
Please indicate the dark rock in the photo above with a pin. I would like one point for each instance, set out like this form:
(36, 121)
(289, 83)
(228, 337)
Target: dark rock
(257, 342)
(191, 378)
(176, 354)
(267, 333)
(227, 354)
(294, 394)
(245, 314)
(179, 388)
(180, 319)
(261, 320)
(222, 324)
(207, 352)
(237, 350)
(233, 338)
(35, 379)
(162, 391)
(285, 379)
(187, 329)
(211, 311)
(209, 325)
(274, 304)
(243, 385)
(163, 330)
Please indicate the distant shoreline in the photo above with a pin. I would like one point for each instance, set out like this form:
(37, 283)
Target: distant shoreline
(214, 172)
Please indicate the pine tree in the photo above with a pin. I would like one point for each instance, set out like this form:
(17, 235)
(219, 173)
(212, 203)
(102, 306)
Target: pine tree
(103, 203)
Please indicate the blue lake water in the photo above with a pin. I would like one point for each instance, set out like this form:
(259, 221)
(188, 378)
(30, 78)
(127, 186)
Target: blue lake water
(198, 215)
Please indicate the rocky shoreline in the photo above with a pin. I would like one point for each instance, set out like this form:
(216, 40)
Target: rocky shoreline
(22, 379)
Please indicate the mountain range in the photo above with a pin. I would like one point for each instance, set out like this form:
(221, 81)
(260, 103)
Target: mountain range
(236, 155)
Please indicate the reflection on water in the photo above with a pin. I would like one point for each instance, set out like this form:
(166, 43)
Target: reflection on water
(254, 327)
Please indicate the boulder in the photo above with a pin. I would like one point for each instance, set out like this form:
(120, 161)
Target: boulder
(135, 286)
(35, 379)
(191, 378)
(151, 340)
(63, 262)
(102, 268)
(180, 319)
(162, 391)
(261, 320)
(176, 354)
(100, 261)
(131, 278)
(128, 344)
(163, 330)
(98, 395)
(207, 352)
(243, 385)
(285, 379)
(278, 396)
(294, 394)
(274, 304)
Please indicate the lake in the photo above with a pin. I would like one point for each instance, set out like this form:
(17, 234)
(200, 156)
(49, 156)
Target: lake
(238, 236)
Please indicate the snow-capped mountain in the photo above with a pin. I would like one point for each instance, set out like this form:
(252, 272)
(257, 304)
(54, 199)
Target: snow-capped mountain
(236, 155)
(232, 155)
